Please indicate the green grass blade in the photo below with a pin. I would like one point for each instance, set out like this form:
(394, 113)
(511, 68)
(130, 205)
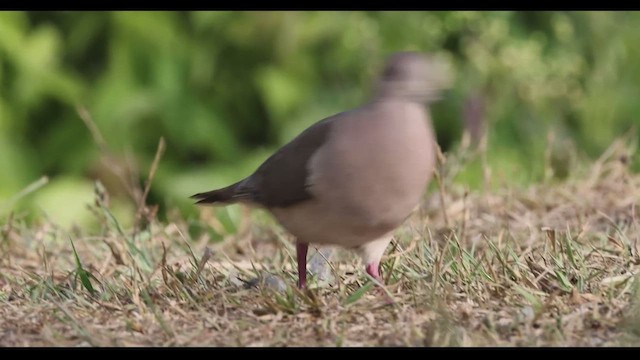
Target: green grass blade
(81, 272)
(358, 294)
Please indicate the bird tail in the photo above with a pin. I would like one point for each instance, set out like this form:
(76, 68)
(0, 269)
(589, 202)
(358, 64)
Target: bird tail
(227, 195)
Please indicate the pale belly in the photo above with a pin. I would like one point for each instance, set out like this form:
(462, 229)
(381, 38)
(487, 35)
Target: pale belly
(316, 223)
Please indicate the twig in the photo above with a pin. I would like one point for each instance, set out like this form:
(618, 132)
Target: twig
(147, 185)
(441, 161)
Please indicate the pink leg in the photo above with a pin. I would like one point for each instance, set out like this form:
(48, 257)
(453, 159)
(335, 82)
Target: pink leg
(373, 269)
(301, 254)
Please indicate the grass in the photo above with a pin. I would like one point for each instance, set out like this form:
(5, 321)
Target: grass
(555, 264)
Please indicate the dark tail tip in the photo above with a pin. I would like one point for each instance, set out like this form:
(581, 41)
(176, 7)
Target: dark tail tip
(224, 195)
(212, 197)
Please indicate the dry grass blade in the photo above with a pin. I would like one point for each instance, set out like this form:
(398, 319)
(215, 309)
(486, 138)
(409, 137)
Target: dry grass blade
(142, 208)
(93, 128)
(122, 172)
(34, 186)
(438, 176)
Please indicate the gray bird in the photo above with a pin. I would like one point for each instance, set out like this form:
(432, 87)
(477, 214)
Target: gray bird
(353, 178)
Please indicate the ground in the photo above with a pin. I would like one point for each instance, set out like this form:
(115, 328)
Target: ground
(553, 264)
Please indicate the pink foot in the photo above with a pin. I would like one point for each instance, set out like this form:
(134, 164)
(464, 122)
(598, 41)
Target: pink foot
(373, 269)
(301, 255)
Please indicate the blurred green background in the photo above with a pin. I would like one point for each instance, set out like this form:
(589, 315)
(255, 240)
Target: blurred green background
(227, 88)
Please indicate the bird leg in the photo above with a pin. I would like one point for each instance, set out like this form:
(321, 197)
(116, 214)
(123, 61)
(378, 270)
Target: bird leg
(301, 254)
(371, 253)
(374, 270)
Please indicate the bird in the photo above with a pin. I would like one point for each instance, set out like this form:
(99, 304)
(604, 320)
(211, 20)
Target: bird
(351, 179)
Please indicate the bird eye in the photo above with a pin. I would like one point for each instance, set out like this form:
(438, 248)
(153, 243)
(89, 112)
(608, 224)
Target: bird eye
(391, 72)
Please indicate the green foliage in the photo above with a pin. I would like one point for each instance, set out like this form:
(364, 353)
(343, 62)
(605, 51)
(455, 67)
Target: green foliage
(227, 88)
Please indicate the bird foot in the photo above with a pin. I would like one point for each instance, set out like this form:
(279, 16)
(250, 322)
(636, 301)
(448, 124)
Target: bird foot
(373, 269)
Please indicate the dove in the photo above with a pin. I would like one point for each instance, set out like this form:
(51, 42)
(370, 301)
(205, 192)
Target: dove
(351, 179)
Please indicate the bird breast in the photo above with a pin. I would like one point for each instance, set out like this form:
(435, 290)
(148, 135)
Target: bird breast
(378, 166)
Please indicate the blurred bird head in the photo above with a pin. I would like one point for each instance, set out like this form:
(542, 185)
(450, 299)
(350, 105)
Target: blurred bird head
(414, 76)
